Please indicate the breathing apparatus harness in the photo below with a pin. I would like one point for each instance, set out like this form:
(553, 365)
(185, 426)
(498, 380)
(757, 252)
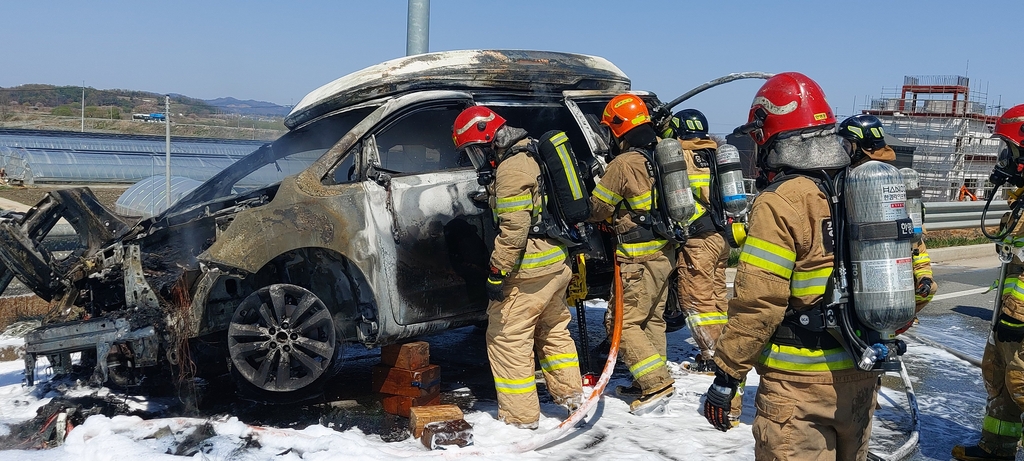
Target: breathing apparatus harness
(1007, 170)
(653, 224)
(833, 321)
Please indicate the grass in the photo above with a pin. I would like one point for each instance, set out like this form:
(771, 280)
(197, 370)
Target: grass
(17, 308)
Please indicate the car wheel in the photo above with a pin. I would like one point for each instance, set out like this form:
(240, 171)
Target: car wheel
(282, 343)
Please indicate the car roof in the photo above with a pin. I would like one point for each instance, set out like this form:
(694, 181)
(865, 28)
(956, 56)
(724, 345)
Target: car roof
(522, 71)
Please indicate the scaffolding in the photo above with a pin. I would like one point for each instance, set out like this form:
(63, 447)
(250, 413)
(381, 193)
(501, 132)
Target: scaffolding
(950, 124)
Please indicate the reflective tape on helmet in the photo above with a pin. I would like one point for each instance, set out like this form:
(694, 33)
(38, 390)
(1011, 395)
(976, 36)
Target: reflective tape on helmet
(768, 256)
(542, 258)
(559, 361)
(706, 319)
(515, 386)
(806, 283)
(647, 365)
(606, 195)
(999, 427)
(636, 250)
(792, 358)
(517, 203)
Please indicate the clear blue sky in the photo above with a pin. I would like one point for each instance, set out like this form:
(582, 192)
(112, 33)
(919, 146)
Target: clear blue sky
(278, 51)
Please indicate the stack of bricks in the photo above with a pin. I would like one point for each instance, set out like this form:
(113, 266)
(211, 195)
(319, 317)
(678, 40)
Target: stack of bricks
(405, 378)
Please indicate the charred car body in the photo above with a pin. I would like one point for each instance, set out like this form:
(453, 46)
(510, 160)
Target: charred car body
(373, 234)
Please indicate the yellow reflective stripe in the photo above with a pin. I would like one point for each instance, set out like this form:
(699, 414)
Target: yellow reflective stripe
(1018, 289)
(768, 256)
(1008, 285)
(805, 283)
(640, 202)
(640, 118)
(517, 203)
(919, 298)
(697, 180)
(922, 273)
(922, 258)
(705, 319)
(800, 359)
(646, 365)
(606, 195)
(1011, 324)
(999, 427)
(515, 386)
(542, 258)
(636, 250)
(699, 211)
(559, 361)
(559, 140)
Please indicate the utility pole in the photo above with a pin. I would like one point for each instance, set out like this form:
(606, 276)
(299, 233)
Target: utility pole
(167, 158)
(418, 28)
(83, 106)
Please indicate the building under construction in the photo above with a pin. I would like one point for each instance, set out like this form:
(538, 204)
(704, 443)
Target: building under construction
(949, 124)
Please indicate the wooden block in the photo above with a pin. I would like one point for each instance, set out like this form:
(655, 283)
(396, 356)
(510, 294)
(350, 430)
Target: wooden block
(410, 383)
(423, 415)
(401, 405)
(410, 356)
(439, 434)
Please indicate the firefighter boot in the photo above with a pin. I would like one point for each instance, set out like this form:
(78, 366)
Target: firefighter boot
(976, 453)
(633, 390)
(653, 402)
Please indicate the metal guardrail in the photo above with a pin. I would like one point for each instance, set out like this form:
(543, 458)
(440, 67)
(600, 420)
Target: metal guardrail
(962, 215)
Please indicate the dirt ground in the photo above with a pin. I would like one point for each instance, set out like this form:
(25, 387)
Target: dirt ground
(30, 195)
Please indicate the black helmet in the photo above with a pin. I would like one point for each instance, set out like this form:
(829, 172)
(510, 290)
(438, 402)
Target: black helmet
(687, 124)
(863, 131)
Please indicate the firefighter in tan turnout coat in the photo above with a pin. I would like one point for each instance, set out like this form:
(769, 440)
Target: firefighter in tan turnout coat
(527, 313)
(625, 194)
(1002, 364)
(812, 401)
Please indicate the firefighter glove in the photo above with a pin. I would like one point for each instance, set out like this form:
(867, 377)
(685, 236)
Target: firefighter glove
(718, 400)
(496, 284)
(924, 286)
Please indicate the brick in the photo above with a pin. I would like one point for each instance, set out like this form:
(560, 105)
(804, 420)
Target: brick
(410, 356)
(401, 405)
(423, 415)
(440, 434)
(409, 383)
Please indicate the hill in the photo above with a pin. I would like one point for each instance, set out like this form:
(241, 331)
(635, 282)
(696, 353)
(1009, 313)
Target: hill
(49, 107)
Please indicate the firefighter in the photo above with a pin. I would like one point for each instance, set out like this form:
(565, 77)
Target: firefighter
(812, 401)
(625, 196)
(1002, 364)
(528, 276)
(864, 140)
(701, 261)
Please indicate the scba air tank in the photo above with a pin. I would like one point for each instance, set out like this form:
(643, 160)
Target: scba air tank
(881, 272)
(675, 183)
(915, 208)
(730, 177)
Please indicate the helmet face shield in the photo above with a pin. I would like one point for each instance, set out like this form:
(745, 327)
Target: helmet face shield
(479, 154)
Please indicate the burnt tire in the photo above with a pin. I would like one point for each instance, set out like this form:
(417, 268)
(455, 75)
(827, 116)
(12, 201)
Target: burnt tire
(282, 344)
(675, 317)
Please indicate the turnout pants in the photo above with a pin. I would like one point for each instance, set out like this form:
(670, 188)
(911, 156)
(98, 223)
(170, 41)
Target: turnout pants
(1002, 368)
(532, 319)
(643, 347)
(702, 296)
(813, 421)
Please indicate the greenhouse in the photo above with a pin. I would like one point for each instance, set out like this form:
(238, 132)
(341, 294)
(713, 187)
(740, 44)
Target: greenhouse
(31, 157)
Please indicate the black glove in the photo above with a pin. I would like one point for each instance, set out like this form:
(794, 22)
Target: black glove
(718, 400)
(924, 286)
(496, 285)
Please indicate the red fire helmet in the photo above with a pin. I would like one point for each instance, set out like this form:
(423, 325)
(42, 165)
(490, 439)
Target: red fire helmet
(786, 102)
(1010, 126)
(475, 125)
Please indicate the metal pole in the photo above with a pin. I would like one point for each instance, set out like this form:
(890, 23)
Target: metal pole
(418, 29)
(167, 158)
(83, 106)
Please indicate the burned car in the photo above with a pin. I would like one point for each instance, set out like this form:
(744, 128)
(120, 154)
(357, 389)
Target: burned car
(375, 232)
